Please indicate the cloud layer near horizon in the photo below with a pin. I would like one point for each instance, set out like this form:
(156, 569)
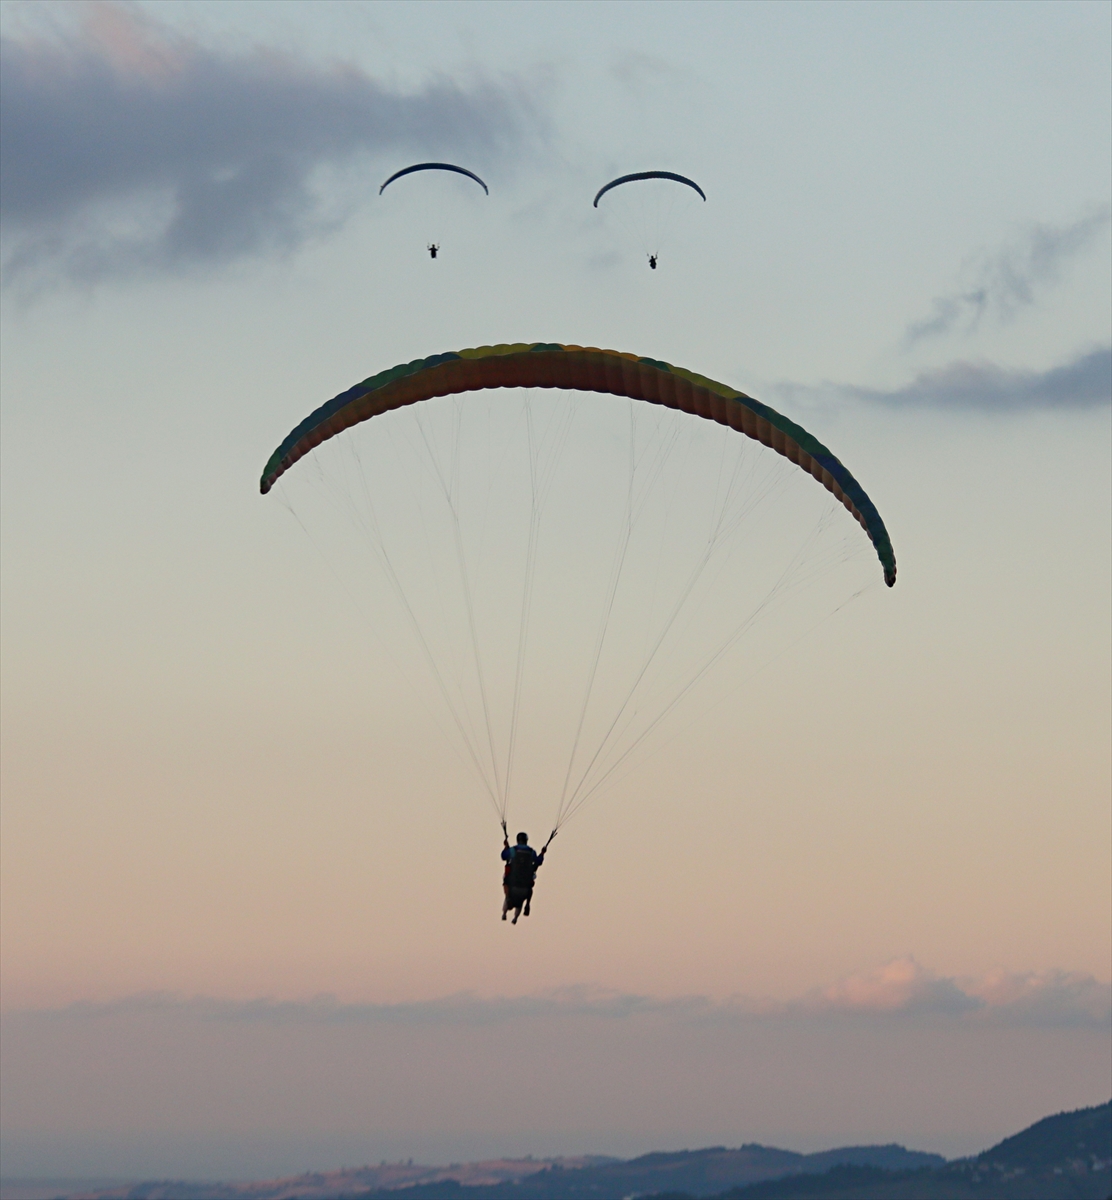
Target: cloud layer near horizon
(902, 987)
(163, 1085)
(127, 147)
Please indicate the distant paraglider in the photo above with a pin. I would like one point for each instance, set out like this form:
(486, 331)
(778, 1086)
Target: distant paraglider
(433, 208)
(649, 214)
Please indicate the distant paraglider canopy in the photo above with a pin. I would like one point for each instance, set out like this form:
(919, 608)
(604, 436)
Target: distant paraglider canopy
(434, 166)
(647, 175)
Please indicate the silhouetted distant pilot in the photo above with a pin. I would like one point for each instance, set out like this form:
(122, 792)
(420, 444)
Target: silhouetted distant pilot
(652, 261)
(519, 876)
(432, 250)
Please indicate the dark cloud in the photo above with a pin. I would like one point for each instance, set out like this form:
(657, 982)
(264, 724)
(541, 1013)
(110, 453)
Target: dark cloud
(1083, 382)
(128, 147)
(1008, 279)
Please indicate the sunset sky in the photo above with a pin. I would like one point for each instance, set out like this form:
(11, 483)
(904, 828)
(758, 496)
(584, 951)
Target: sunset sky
(858, 890)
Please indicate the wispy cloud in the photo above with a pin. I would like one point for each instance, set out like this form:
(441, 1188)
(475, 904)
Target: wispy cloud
(636, 71)
(1003, 281)
(901, 987)
(1082, 382)
(129, 147)
(1085, 381)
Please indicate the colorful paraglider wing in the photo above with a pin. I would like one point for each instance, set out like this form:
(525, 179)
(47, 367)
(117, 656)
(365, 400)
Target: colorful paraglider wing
(434, 167)
(648, 175)
(576, 368)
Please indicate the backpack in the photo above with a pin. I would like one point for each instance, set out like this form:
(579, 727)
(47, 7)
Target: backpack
(522, 869)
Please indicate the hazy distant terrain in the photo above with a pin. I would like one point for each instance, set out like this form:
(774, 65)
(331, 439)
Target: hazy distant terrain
(691, 1172)
(318, 1185)
(1067, 1155)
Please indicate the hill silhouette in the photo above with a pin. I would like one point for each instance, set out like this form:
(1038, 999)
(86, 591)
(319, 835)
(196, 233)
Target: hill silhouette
(1064, 1157)
(1084, 1135)
(693, 1173)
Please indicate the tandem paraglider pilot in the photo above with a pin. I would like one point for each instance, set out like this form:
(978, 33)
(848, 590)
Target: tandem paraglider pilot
(520, 874)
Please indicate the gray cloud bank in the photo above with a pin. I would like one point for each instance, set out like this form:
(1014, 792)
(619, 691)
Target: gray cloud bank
(1083, 382)
(126, 147)
(899, 989)
(171, 1086)
(1008, 279)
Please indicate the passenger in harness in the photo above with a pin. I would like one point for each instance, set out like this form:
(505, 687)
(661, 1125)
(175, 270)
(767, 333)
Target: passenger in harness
(519, 875)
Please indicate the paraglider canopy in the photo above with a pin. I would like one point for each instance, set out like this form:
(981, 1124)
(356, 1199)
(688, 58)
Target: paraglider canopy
(551, 365)
(646, 175)
(434, 166)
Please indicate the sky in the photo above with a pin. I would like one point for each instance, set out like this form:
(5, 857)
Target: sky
(856, 888)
